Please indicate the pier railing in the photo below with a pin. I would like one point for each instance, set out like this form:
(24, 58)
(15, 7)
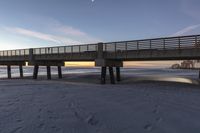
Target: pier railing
(65, 49)
(169, 43)
(180, 42)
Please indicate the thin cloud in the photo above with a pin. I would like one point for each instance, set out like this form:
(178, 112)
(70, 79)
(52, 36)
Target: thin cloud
(53, 33)
(186, 30)
(42, 36)
(70, 31)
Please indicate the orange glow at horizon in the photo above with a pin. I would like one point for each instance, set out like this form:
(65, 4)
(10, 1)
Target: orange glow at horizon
(126, 64)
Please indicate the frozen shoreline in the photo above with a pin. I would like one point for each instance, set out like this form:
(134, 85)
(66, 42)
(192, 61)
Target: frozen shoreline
(78, 104)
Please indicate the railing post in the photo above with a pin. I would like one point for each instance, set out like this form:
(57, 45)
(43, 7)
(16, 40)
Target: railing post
(196, 45)
(164, 44)
(71, 49)
(137, 45)
(40, 51)
(126, 46)
(150, 44)
(115, 49)
(179, 43)
(65, 49)
(126, 49)
(100, 51)
(31, 55)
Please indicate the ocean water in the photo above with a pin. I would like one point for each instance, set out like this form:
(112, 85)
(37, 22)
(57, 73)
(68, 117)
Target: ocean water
(165, 72)
(28, 71)
(129, 74)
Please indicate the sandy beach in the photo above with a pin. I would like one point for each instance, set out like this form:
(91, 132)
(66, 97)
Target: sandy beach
(79, 104)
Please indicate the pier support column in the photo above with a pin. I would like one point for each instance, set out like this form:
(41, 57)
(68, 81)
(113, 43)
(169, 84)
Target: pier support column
(118, 76)
(9, 71)
(59, 72)
(199, 74)
(112, 77)
(48, 72)
(35, 72)
(21, 71)
(103, 75)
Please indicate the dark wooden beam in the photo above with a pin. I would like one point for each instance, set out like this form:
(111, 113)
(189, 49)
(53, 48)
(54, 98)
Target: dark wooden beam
(59, 72)
(21, 71)
(103, 75)
(35, 72)
(9, 71)
(48, 72)
(118, 76)
(112, 77)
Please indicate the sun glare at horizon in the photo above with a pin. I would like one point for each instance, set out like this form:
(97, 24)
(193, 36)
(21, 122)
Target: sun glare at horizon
(126, 64)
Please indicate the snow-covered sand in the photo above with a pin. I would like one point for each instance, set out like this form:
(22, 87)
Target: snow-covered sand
(78, 104)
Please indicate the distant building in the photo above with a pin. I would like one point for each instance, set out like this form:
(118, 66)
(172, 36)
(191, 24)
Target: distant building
(175, 66)
(187, 64)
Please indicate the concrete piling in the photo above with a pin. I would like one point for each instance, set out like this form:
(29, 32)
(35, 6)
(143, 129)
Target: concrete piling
(118, 74)
(9, 71)
(199, 74)
(59, 72)
(48, 72)
(35, 72)
(103, 75)
(112, 77)
(21, 71)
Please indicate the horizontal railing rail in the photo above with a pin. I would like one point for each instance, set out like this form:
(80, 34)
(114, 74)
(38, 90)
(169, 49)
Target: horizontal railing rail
(168, 43)
(18, 52)
(180, 42)
(65, 49)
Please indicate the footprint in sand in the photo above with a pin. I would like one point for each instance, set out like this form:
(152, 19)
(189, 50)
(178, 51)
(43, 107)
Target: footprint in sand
(148, 127)
(71, 105)
(16, 130)
(19, 120)
(155, 111)
(41, 125)
(63, 96)
(17, 100)
(40, 110)
(91, 120)
(159, 119)
(10, 104)
(55, 128)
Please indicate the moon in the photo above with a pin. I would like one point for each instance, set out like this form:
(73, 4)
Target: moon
(92, 0)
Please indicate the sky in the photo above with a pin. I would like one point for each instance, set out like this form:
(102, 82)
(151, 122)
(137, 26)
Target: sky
(42, 23)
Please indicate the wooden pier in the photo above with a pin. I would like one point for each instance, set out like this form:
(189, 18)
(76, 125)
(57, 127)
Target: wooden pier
(105, 55)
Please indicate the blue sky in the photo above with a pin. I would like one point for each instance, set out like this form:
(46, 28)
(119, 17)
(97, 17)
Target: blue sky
(40, 23)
